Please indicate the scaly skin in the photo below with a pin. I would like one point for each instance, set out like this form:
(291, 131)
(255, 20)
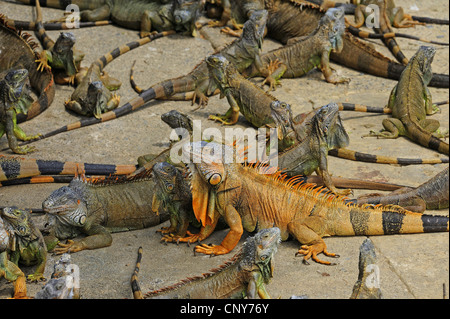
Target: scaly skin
(432, 194)
(247, 199)
(303, 54)
(367, 286)
(17, 51)
(15, 98)
(410, 102)
(98, 207)
(28, 246)
(245, 275)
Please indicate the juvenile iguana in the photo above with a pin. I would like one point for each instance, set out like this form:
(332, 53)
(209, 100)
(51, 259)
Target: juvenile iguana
(246, 274)
(296, 18)
(17, 51)
(15, 98)
(248, 199)
(432, 194)
(143, 15)
(61, 56)
(98, 207)
(303, 54)
(410, 102)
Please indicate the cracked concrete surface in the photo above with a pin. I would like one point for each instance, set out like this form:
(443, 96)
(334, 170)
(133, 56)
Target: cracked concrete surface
(411, 266)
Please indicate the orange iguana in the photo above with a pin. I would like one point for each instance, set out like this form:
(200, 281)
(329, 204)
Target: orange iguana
(248, 200)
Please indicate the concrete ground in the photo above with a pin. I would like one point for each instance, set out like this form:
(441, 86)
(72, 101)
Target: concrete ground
(411, 266)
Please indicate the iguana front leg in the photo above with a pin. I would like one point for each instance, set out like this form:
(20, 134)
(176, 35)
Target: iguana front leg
(205, 232)
(273, 72)
(232, 115)
(233, 219)
(14, 132)
(12, 272)
(329, 74)
(98, 237)
(44, 58)
(257, 286)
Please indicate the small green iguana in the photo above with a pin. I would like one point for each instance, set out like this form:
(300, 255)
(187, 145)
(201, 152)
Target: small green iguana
(17, 51)
(61, 56)
(14, 99)
(248, 199)
(302, 54)
(410, 102)
(98, 207)
(244, 275)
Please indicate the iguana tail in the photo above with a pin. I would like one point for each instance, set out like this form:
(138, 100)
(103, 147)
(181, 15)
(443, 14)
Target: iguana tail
(137, 293)
(38, 180)
(369, 35)
(431, 20)
(369, 220)
(428, 140)
(370, 158)
(13, 167)
(43, 37)
(31, 25)
(133, 84)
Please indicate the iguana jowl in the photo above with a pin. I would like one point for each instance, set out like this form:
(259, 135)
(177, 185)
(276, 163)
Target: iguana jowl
(245, 275)
(249, 200)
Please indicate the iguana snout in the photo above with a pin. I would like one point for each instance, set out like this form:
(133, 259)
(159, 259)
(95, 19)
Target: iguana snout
(65, 42)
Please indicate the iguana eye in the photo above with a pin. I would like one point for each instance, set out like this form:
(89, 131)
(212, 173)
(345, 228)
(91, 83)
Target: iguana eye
(264, 257)
(170, 187)
(215, 179)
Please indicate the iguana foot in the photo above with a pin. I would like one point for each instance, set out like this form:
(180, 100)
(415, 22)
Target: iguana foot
(24, 149)
(165, 230)
(190, 238)
(344, 192)
(231, 32)
(215, 24)
(223, 119)
(30, 138)
(334, 79)
(273, 83)
(202, 100)
(378, 135)
(144, 34)
(312, 251)
(43, 62)
(441, 133)
(36, 277)
(212, 250)
(171, 238)
(70, 247)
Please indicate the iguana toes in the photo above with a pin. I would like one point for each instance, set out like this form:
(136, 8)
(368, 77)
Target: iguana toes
(174, 196)
(410, 102)
(367, 286)
(92, 95)
(249, 199)
(61, 56)
(27, 245)
(17, 52)
(242, 95)
(98, 207)
(432, 194)
(246, 274)
(15, 98)
(303, 54)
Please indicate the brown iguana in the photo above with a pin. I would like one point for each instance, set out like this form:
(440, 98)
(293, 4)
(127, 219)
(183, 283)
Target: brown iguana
(248, 199)
(61, 56)
(295, 18)
(410, 102)
(98, 207)
(243, 52)
(143, 15)
(20, 242)
(17, 50)
(301, 55)
(246, 274)
(15, 98)
(433, 194)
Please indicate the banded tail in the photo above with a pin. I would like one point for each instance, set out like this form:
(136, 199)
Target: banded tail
(17, 167)
(41, 34)
(428, 140)
(370, 158)
(137, 293)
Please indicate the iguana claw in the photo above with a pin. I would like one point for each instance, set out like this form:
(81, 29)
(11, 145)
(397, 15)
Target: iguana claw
(70, 247)
(211, 249)
(312, 251)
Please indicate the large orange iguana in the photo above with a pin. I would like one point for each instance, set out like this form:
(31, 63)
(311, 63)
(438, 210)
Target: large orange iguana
(248, 200)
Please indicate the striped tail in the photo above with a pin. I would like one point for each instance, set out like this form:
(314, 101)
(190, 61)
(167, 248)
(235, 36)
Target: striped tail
(371, 220)
(137, 293)
(370, 158)
(30, 25)
(43, 37)
(426, 139)
(430, 20)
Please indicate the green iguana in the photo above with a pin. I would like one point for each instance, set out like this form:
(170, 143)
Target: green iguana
(17, 51)
(61, 56)
(246, 274)
(368, 284)
(432, 194)
(301, 55)
(14, 99)
(255, 197)
(143, 15)
(98, 207)
(296, 18)
(410, 102)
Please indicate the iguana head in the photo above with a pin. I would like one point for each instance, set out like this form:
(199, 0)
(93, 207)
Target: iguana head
(16, 84)
(206, 165)
(424, 57)
(19, 221)
(334, 21)
(66, 208)
(166, 178)
(64, 43)
(327, 125)
(254, 28)
(282, 114)
(185, 14)
(263, 247)
(96, 100)
(218, 65)
(176, 119)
